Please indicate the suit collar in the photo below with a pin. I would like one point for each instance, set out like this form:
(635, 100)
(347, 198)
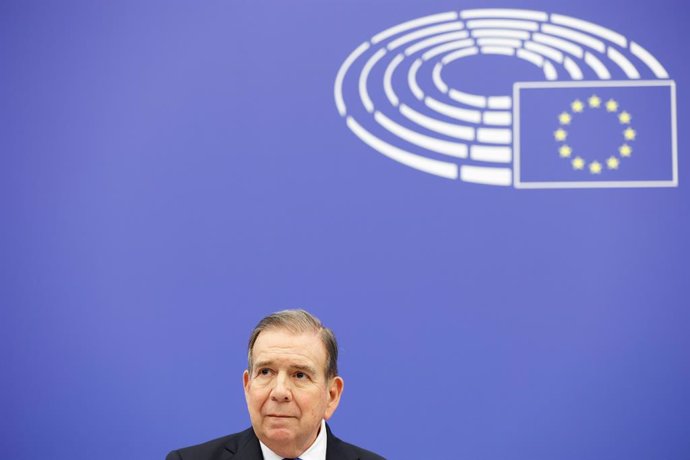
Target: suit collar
(337, 449)
(243, 447)
(246, 447)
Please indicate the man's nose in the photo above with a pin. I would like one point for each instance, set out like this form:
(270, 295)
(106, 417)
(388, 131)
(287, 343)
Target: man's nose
(281, 391)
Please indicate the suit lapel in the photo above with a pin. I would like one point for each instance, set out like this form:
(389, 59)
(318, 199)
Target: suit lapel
(244, 447)
(338, 450)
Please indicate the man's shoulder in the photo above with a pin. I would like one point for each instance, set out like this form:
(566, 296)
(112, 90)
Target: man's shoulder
(339, 449)
(361, 454)
(246, 441)
(219, 448)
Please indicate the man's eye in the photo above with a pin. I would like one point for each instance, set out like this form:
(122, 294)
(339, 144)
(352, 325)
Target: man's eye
(300, 375)
(264, 371)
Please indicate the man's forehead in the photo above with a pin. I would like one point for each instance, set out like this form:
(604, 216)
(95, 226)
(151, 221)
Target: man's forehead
(274, 344)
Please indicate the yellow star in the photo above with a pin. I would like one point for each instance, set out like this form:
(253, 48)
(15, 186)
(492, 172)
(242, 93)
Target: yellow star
(577, 106)
(560, 134)
(565, 118)
(595, 167)
(625, 150)
(578, 163)
(629, 134)
(625, 118)
(565, 151)
(611, 105)
(594, 101)
(612, 162)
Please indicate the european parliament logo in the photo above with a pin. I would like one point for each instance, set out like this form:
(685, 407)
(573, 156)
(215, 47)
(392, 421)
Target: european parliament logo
(601, 112)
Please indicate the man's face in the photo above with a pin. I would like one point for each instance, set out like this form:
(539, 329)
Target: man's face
(287, 391)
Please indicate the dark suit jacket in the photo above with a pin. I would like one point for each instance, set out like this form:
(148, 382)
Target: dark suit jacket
(245, 446)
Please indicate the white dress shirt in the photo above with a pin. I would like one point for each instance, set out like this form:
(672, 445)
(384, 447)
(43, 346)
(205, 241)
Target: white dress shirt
(317, 451)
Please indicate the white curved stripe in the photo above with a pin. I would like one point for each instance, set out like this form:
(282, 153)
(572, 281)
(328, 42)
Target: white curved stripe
(459, 54)
(559, 43)
(575, 36)
(572, 69)
(447, 47)
(596, 65)
(550, 71)
(623, 62)
(471, 116)
(500, 33)
(363, 93)
(544, 50)
(449, 129)
(433, 30)
(490, 41)
(338, 88)
(591, 28)
(491, 153)
(467, 98)
(431, 166)
(484, 175)
(500, 102)
(502, 50)
(426, 20)
(530, 56)
(646, 57)
(498, 118)
(438, 81)
(502, 24)
(503, 13)
(412, 79)
(388, 79)
(494, 135)
(453, 149)
(450, 36)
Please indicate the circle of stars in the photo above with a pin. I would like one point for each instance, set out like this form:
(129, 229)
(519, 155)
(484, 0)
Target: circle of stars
(576, 159)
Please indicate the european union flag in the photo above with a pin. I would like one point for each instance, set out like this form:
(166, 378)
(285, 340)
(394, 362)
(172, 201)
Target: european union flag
(595, 134)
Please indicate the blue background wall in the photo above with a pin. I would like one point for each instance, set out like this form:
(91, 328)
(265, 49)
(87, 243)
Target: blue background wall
(172, 171)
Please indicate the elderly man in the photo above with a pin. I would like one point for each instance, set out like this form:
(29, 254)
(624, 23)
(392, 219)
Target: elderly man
(292, 387)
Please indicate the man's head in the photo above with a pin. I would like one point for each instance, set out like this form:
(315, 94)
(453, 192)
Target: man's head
(292, 381)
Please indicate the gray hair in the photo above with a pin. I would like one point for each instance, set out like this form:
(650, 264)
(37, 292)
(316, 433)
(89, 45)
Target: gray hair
(298, 322)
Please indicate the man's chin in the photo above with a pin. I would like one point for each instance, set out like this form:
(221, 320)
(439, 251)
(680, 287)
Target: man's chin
(280, 429)
(281, 440)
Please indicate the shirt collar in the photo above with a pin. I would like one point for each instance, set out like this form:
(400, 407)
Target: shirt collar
(317, 451)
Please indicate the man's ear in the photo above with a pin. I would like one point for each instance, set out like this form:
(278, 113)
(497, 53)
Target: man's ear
(245, 380)
(335, 390)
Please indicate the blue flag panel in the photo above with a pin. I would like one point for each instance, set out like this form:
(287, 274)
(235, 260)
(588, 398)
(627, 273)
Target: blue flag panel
(595, 134)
